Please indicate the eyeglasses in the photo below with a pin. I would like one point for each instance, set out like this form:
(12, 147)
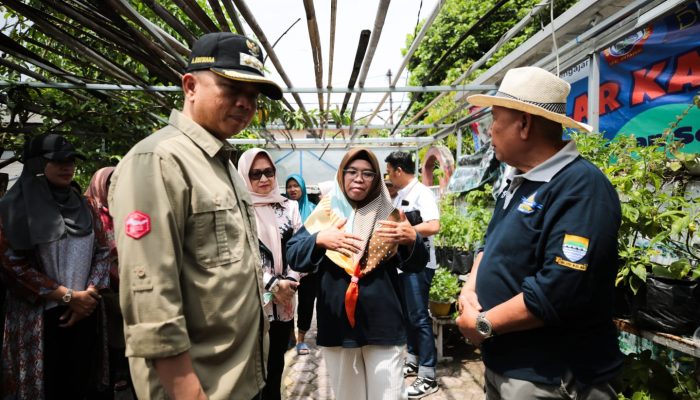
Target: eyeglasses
(256, 174)
(366, 174)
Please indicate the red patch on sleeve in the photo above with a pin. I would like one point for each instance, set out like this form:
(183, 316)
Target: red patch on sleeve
(137, 224)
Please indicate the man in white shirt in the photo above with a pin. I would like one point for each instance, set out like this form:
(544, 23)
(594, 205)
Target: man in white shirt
(418, 203)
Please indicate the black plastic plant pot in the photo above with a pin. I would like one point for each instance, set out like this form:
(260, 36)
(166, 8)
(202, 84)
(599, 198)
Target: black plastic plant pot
(462, 262)
(440, 255)
(448, 257)
(669, 305)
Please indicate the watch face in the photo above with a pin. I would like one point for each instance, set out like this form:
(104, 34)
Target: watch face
(483, 327)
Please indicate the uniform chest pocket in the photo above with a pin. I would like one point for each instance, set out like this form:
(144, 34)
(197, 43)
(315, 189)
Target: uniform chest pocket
(219, 231)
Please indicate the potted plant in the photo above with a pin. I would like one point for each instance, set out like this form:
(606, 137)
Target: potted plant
(463, 222)
(656, 240)
(443, 292)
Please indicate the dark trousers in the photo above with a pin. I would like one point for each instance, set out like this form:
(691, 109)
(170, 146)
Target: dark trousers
(279, 338)
(419, 332)
(70, 356)
(306, 295)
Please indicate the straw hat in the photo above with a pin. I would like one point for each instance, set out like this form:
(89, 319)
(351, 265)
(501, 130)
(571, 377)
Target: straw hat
(534, 91)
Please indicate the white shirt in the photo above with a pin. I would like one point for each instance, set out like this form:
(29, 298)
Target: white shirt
(417, 196)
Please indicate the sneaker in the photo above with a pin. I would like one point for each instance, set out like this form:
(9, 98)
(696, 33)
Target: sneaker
(409, 369)
(421, 387)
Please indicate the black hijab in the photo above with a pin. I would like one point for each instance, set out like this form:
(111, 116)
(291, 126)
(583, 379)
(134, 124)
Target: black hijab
(33, 211)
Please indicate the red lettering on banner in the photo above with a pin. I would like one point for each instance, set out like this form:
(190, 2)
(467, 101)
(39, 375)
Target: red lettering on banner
(609, 102)
(137, 224)
(608, 97)
(581, 108)
(644, 85)
(687, 72)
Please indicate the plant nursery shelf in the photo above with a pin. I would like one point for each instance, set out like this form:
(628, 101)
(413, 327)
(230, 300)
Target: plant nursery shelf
(438, 324)
(683, 344)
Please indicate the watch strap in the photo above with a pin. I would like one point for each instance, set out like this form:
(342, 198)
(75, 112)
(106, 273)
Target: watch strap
(274, 286)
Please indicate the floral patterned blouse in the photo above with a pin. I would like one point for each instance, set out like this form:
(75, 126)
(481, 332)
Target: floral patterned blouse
(288, 222)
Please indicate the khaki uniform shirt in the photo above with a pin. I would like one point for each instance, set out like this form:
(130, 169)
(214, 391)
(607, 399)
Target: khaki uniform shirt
(190, 278)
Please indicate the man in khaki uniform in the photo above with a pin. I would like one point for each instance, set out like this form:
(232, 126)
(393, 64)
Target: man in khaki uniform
(188, 250)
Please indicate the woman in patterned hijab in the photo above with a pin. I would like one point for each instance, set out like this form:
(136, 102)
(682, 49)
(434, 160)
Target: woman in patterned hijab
(357, 240)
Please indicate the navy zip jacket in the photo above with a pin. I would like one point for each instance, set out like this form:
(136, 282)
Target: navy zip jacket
(556, 242)
(379, 314)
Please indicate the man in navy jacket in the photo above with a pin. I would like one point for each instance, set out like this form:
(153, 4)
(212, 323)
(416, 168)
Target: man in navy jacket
(539, 299)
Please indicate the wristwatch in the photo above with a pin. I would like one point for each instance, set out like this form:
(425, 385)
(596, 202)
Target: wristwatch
(68, 296)
(483, 326)
(275, 286)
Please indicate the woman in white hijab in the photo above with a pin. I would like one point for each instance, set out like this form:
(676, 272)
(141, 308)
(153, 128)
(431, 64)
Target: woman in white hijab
(277, 219)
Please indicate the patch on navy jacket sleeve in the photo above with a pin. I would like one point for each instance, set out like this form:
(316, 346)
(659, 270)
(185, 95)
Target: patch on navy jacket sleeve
(574, 247)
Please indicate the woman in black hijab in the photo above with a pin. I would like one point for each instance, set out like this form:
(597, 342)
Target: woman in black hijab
(54, 261)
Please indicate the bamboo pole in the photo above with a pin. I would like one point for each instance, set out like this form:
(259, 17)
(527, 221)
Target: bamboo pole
(414, 46)
(9, 46)
(219, 15)
(315, 42)
(181, 48)
(197, 15)
(356, 65)
(173, 22)
(373, 41)
(228, 5)
(331, 51)
(69, 41)
(22, 70)
(28, 72)
(123, 7)
(250, 19)
(46, 47)
(123, 41)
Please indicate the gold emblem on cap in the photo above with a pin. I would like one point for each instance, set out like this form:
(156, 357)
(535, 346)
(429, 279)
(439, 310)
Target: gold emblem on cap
(251, 62)
(253, 48)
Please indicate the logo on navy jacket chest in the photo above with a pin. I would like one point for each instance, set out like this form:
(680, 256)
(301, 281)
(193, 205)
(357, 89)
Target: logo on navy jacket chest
(529, 205)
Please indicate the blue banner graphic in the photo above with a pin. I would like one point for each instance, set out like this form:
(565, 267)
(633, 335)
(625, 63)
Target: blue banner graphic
(647, 79)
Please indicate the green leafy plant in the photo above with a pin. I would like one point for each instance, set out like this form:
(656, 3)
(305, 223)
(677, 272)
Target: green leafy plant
(464, 219)
(453, 224)
(479, 209)
(657, 218)
(645, 377)
(445, 286)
